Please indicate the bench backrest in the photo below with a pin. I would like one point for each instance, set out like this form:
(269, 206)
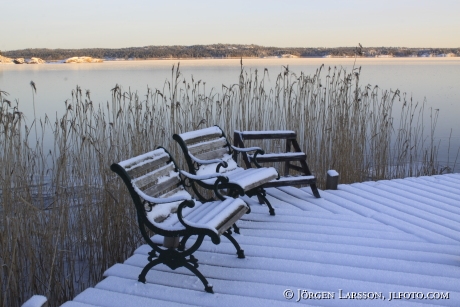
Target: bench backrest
(156, 175)
(204, 144)
(270, 134)
(289, 138)
(207, 144)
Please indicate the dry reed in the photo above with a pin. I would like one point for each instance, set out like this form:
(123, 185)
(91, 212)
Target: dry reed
(65, 217)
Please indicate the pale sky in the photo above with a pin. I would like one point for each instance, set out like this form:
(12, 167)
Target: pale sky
(288, 23)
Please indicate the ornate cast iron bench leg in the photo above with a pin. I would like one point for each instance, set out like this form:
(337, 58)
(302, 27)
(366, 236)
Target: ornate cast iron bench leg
(182, 243)
(260, 193)
(227, 234)
(236, 229)
(147, 268)
(175, 259)
(239, 251)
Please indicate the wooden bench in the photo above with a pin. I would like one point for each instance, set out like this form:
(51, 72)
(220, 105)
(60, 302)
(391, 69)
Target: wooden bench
(287, 157)
(207, 151)
(165, 208)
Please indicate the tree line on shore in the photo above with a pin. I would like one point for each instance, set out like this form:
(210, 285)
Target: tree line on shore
(226, 51)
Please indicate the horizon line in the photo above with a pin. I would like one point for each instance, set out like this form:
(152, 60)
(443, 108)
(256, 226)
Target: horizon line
(356, 46)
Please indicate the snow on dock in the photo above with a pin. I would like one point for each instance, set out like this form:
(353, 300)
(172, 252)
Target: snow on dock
(384, 243)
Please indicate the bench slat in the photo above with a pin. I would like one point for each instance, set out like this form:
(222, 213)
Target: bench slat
(138, 170)
(173, 191)
(218, 214)
(280, 157)
(207, 146)
(259, 183)
(153, 177)
(269, 134)
(160, 188)
(201, 135)
(215, 154)
(202, 138)
(253, 177)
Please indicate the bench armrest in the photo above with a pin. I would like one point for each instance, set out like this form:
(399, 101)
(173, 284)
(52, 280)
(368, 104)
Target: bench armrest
(248, 149)
(219, 176)
(257, 150)
(200, 177)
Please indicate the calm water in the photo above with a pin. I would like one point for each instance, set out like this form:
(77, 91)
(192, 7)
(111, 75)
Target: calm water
(435, 79)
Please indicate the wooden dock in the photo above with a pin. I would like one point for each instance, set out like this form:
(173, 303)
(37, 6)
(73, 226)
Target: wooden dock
(396, 242)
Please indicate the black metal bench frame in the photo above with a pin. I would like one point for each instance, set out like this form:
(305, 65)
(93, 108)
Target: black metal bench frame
(234, 189)
(174, 256)
(297, 156)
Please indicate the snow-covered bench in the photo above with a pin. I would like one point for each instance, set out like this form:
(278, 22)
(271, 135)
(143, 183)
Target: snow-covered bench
(164, 207)
(287, 157)
(207, 151)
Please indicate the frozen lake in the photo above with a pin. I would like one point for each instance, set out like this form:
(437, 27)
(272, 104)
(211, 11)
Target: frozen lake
(433, 79)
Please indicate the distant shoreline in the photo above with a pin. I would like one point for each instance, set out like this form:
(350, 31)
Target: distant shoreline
(227, 51)
(97, 61)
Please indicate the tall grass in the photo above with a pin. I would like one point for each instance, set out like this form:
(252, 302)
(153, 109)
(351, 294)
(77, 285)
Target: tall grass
(65, 217)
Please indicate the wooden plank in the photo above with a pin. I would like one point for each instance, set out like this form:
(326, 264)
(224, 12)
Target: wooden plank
(161, 187)
(275, 134)
(76, 304)
(179, 287)
(281, 157)
(215, 154)
(207, 146)
(152, 178)
(172, 192)
(110, 298)
(135, 172)
(203, 137)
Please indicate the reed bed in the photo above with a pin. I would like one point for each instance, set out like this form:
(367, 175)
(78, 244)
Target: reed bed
(65, 217)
